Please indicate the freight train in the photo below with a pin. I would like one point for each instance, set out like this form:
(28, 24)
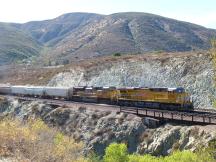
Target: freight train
(143, 97)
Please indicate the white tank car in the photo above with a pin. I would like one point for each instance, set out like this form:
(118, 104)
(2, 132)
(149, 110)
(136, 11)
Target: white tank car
(34, 91)
(18, 90)
(26, 90)
(57, 92)
(5, 89)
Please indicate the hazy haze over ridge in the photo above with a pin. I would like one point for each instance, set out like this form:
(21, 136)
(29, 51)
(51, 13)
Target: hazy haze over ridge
(194, 11)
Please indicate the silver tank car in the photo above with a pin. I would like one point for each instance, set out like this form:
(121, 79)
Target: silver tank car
(5, 89)
(56, 92)
(27, 90)
(18, 90)
(34, 91)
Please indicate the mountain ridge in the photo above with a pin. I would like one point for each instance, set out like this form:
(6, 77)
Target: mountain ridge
(76, 36)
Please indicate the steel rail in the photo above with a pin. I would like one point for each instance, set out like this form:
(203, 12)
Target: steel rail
(192, 117)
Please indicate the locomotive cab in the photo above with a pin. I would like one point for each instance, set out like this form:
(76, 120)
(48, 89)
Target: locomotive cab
(183, 98)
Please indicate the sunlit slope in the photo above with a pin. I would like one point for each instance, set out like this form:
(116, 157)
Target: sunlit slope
(83, 35)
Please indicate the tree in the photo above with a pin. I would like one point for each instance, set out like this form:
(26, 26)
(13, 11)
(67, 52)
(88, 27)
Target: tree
(116, 153)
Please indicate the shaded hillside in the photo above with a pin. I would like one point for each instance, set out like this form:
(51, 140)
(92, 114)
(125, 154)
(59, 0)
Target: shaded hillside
(52, 31)
(16, 45)
(83, 35)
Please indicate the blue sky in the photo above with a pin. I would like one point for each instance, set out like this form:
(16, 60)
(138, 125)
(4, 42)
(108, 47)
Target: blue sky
(201, 12)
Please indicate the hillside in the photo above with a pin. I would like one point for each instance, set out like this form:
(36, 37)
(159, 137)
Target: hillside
(52, 31)
(94, 130)
(191, 70)
(16, 45)
(77, 36)
(83, 35)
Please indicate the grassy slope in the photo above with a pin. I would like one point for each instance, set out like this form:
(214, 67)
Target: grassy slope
(35, 141)
(16, 45)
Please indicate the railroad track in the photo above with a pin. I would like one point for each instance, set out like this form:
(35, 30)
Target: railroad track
(205, 110)
(198, 116)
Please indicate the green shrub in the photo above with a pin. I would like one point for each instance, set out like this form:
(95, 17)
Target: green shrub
(182, 156)
(117, 54)
(92, 157)
(116, 153)
(144, 158)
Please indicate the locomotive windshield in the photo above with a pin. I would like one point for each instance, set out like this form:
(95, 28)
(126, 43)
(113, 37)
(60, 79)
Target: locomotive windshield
(180, 90)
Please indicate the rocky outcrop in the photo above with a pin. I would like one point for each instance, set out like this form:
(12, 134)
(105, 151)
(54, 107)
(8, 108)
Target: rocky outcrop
(194, 72)
(164, 140)
(97, 129)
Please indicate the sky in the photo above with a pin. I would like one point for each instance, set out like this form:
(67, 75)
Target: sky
(202, 12)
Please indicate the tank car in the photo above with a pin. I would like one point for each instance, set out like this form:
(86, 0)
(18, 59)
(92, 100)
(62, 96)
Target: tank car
(18, 90)
(57, 92)
(5, 89)
(31, 91)
(34, 91)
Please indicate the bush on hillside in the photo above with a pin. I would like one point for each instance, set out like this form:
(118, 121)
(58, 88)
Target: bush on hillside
(118, 153)
(117, 54)
(34, 141)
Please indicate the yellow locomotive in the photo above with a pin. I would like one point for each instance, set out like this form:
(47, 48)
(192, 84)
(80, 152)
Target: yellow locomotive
(157, 98)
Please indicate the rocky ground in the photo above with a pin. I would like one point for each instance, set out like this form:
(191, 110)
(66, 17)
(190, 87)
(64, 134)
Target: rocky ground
(97, 129)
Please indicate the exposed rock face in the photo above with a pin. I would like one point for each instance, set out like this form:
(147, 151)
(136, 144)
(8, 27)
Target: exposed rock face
(164, 140)
(193, 72)
(98, 129)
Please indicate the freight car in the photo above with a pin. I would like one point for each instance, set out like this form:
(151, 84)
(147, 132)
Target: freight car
(27, 91)
(5, 89)
(157, 98)
(58, 92)
(34, 91)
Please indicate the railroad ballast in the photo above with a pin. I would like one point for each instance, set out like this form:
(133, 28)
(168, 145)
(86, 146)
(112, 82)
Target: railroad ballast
(156, 98)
